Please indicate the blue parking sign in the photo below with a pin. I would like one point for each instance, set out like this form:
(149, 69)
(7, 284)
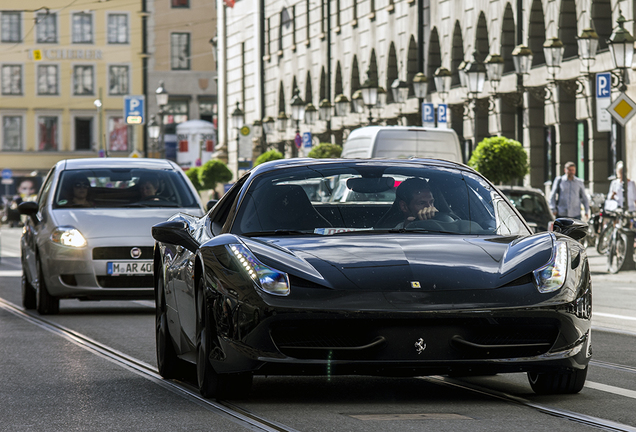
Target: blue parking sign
(428, 114)
(134, 108)
(442, 115)
(603, 85)
(307, 139)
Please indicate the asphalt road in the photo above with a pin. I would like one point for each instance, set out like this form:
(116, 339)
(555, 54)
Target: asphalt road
(57, 380)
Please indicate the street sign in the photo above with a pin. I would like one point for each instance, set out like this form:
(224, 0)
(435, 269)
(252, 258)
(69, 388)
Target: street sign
(307, 139)
(622, 109)
(298, 140)
(428, 114)
(134, 109)
(7, 173)
(442, 116)
(603, 101)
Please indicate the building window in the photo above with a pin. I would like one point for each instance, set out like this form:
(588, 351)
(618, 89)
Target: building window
(180, 3)
(47, 80)
(83, 133)
(117, 134)
(46, 27)
(176, 111)
(207, 111)
(11, 27)
(47, 133)
(117, 29)
(83, 82)
(11, 80)
(12, 133)
(82, 28)
(117, 80)
(180, 51)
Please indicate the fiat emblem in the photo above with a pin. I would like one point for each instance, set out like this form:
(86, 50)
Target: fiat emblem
(135, 252)
(420, 346)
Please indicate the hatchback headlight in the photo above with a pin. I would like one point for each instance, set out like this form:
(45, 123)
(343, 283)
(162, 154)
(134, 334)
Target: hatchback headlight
(68, 236)
(268, 279)
(552, 276)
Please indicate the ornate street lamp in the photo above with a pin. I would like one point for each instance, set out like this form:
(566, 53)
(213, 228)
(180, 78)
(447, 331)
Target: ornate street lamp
(369, 92)
(161, 95)
(522, 59)
(268, 125)
(475, 74)
(154, 129)
(588, 44)
(257, 127)
(281, 122)
(311, 114)
(494, 69)
(553, 51)
(324, 110)
(443, 81)
(358, 102)
(342, 105)
(381, 98)
(400, 90)
(420, 87)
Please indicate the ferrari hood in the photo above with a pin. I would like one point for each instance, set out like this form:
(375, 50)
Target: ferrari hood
(406, 261)
(123, 222)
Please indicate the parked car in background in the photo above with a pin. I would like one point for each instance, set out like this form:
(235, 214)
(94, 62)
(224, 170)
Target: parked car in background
(275, 281)
(532, 204)
(88, 235)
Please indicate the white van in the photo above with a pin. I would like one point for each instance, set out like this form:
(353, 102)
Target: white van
(402, 142)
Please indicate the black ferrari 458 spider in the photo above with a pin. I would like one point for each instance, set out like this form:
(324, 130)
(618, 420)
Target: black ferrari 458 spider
(419, 267)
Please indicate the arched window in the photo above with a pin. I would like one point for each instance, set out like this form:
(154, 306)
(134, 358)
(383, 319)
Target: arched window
(457, 54)
(536, 30)
(482, 44)
(391, 72)
(434, 59)
(508, 38)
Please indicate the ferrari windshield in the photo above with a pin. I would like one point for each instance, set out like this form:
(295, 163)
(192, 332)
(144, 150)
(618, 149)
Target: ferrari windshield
(374, 197)
(122, 187)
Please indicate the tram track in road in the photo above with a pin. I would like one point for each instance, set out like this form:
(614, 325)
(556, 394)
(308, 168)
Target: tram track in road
(256, 422)
(224, 409)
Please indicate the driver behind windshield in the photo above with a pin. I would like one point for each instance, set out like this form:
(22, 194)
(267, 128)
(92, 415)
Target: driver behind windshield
(415, 200)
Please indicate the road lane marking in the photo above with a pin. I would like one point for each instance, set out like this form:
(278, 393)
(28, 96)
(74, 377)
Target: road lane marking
(10, 273)
(611, 389)
(432, 416)
(606, 315)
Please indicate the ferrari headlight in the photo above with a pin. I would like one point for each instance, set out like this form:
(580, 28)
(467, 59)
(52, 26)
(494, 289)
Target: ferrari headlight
(552, 276)
(68, 236)
(268, 279)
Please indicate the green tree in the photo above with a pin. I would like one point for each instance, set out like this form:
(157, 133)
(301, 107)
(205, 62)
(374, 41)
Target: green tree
(325, 151)
(213, 172)
(193, 175)
(500, 159)
(268, 156)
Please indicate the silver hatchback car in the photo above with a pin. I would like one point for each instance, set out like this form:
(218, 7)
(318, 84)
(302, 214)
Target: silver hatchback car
(88, 236)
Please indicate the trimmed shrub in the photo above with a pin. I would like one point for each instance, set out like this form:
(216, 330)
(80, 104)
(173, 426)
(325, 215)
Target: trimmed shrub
(501, 160)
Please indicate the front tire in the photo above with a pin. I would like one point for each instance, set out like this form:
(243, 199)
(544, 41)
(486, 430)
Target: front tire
(46, 304)
(212, 384)
(29, 300)
(558, 383)
(168, 363)
(603, 241)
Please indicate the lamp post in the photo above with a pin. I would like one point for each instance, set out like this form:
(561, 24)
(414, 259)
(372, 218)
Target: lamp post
(161, 96)
(420, 87)
(281, 127)
(237, 123)
(298, 114)
(311, 114)
(369, 92)
(475, 78)
(400, 91)
(269, 126)
(154, 130)
(381, 98)
(588, 44)
(99, 106)
(621, 45)
(443, 81)
(257, 128)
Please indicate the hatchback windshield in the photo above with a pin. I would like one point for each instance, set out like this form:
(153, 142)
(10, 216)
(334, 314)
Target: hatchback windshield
(116, 188)
(349, 197)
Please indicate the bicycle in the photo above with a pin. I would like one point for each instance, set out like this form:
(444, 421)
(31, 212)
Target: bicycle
(605, 228)
(620, 253)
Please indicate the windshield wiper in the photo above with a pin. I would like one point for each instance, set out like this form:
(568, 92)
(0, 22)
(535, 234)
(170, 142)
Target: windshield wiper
(277, 232)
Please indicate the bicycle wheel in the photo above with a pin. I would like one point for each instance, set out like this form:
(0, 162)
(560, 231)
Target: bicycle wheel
(604, 237)
(616, 253)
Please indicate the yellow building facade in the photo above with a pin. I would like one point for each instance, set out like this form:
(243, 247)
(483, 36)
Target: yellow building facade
(64, 75)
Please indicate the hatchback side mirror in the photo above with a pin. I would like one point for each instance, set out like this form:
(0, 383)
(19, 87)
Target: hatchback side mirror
(29, 208)
(571, 228)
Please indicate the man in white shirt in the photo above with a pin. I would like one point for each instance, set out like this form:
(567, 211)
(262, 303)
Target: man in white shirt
(568, 194)
(615, 194)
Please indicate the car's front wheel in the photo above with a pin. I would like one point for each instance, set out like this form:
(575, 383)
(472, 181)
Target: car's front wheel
(212, 384)
(46, 304)
(558, 383)
(168, 363)
(29, 300)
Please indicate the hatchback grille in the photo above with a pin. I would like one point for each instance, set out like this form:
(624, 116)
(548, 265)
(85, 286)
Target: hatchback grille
(125, 281)
(120, 253)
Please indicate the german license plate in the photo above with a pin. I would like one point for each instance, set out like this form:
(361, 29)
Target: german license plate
(130, 268)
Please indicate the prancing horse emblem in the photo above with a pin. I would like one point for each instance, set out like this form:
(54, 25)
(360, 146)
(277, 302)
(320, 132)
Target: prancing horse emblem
(420, 346)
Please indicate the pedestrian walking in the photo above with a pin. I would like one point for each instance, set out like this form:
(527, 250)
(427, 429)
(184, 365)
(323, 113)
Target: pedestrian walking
(568, 194)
